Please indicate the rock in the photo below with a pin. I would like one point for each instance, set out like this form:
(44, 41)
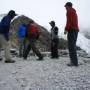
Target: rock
(44, 42)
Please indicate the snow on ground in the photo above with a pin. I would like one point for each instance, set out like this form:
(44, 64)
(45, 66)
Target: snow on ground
(49, 74)
(83, 43)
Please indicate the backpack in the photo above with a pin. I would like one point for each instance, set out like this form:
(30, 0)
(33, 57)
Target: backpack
(22, 31)
(32, 31)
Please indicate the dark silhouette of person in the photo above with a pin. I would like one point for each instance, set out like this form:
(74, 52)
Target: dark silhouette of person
(54, 40)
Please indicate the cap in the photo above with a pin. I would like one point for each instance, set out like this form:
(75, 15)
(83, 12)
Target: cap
(12, 13)
(68, 4)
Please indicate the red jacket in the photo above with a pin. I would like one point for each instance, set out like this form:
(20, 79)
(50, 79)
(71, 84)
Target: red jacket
(33, 31)
(72, 20)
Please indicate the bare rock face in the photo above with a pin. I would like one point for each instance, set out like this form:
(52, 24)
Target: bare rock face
(44, 40)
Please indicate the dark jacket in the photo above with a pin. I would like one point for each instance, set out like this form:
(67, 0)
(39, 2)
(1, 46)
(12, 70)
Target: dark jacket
(4, 26)
(54, 32)
(72, 20)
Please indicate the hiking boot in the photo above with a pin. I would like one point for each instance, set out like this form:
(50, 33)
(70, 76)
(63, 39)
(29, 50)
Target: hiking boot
(40, 58)
(71, 64)
(25, 58)
(54, 57)
(9, 61)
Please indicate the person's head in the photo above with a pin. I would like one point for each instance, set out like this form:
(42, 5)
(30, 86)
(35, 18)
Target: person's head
(68, 5)
(12, 13)
(52, 23)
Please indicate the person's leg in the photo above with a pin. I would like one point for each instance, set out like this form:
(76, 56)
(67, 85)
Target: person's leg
(56, 49)
(74, 52)
(27, 50)
(72, 38)
(7, 51)
(6, 46)
(25, 44)
(52, 49)
(36, 51)
(20, 47)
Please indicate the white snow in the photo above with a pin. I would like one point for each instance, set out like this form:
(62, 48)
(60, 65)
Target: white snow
(83, 43)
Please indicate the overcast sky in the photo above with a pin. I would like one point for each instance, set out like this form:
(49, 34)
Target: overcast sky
(43, 11)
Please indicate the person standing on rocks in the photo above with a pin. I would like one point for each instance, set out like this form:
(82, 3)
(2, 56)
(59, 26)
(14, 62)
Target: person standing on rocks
(21, 35)
(4, 35)
(54, 40)
(32, 36)
(71, 29)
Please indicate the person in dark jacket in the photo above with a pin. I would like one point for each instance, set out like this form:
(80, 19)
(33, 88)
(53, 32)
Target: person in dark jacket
(54, 40)
(71, 29)
(4, 34)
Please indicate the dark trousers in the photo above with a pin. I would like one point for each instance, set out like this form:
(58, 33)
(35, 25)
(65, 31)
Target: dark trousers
(31, 45)
(54, 48)
(72, 38)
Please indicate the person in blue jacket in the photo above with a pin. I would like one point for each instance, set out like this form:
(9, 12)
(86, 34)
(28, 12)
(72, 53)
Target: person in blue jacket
(21, 35)
(4, 35)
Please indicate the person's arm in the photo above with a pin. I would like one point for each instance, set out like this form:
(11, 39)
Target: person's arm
(68, 22)
(5, 26)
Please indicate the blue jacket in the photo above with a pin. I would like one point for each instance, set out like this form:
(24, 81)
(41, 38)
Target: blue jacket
(4, 26)
(22, 31)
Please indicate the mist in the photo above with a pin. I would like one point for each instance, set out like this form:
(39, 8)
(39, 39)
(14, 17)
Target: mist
(43, 11)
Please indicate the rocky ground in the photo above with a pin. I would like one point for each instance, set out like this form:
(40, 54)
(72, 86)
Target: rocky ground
(49, 74)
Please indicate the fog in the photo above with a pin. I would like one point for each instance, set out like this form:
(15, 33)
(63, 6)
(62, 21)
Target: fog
(43, 11)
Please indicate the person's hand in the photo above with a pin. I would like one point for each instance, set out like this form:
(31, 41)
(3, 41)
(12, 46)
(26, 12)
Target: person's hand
(65, 32)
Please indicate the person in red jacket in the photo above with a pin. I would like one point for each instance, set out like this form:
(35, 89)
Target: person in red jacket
(71, 29)
(32, 36)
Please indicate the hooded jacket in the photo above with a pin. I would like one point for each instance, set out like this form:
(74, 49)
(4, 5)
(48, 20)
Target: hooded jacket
(4, 26)
(54, 32)
(72, 20)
